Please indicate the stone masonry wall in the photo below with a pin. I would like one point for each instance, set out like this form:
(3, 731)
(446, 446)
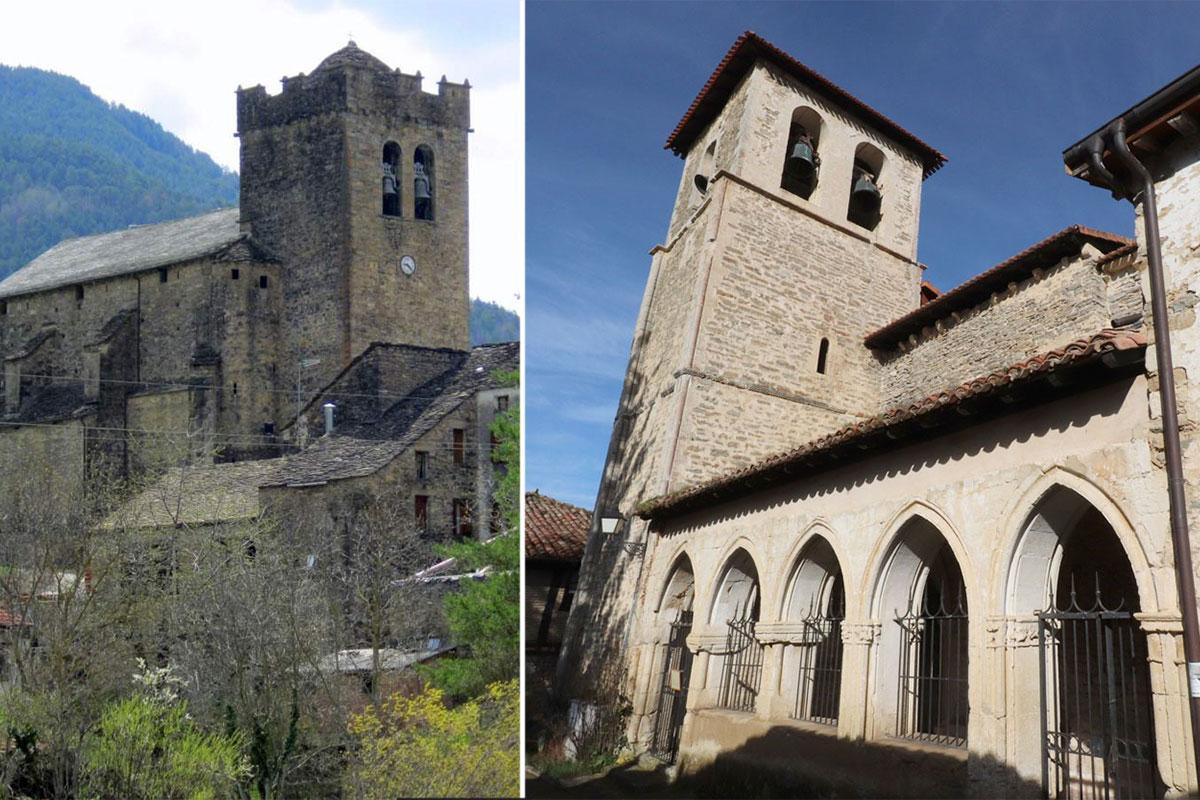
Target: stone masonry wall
(1047, 310)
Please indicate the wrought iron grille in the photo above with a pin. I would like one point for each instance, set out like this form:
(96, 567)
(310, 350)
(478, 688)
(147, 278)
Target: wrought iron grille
(672, 696)
(743, 666)
(1097, 729)
(819, 685)
(931, 700)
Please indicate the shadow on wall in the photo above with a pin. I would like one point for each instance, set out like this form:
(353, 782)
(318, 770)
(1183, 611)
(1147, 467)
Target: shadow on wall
(770, 766)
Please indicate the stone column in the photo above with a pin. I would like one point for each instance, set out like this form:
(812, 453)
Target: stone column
(1169, 701)
(859, 641)
(1014, 723)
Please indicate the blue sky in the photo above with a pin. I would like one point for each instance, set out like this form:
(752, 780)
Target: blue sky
(1001, 89)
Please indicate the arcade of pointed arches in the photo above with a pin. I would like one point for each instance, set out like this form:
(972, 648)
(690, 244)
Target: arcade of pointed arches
(1069, 552)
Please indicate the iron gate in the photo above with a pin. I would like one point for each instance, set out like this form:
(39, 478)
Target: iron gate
(743, 666)
(931, 699)
(819, 684)
(672, 696)
(1097, 731)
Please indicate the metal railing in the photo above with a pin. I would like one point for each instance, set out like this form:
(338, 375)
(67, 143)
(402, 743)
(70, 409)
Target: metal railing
(931, 697)
(673, 691)
(743, 666)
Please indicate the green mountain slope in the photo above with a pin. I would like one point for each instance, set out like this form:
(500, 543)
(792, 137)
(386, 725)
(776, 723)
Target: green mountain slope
(72, 164)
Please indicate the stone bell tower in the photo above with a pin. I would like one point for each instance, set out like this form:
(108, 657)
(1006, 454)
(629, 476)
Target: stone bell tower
(357, 179)
(793, 236)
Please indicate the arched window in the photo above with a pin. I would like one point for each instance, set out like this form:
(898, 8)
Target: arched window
(812, 664)
(736, 606)
(423, 183)
(391, 179)
(801, 161)
(822, 356)
(704, 173)
(675, 621)
(866, 191)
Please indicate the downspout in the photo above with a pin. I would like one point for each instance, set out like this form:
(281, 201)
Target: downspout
(1180, 541)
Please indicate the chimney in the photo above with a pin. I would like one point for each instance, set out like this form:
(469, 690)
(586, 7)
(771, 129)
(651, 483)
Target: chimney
(328, 408)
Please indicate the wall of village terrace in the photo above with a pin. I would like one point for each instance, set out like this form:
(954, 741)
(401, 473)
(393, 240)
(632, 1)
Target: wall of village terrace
(978, 489)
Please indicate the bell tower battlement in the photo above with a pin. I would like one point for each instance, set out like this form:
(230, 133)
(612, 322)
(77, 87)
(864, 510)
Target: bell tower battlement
(357, 179)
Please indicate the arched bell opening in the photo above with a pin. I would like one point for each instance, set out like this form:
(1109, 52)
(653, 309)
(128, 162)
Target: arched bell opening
(812, 661)
(802, 159)
(704, 173)
(921, 681)
(675, 618)
(1071, 569)
(391, 179)
(423, 183)
(866, 188)
(736, 607)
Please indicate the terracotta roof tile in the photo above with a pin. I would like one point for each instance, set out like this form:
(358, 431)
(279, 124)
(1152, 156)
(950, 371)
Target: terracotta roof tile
(1045, 253)
(743, 480)
(554, 530)
(741, 56)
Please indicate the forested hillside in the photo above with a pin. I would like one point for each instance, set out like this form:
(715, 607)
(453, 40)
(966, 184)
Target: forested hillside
(493, 323)
(72, 164)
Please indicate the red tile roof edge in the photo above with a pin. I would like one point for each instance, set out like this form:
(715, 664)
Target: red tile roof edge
(1075, 352)
(554, 530)
(682, 137)
(977, 289)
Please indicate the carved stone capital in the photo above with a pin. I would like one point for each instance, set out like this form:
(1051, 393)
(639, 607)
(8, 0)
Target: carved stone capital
(861, 633)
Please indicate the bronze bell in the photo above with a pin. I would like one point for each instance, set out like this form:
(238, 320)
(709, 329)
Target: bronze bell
(865, 193)
(389, 179)
(802, 163)
(420, 183)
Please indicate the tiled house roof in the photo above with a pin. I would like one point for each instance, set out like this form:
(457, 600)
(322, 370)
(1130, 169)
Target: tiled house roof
(554, 530)
(789, 464)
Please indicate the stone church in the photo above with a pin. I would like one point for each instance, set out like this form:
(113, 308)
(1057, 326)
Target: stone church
(869, 537)
(319, 329)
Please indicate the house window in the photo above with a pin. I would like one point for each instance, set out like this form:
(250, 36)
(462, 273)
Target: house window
(391, 179)
(78, 294)
(423, 183)
(3, 308)
(460, 455)
(461, 518)
(422, 465)
(502, 403)
(421, 512)
(262, 281)
(162, 275)
(234, 273)
(822, 356)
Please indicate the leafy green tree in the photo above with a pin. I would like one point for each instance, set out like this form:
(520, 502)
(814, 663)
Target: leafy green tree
(420, 747)
(485, 616)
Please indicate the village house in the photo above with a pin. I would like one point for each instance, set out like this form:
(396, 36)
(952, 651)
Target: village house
(855, 533)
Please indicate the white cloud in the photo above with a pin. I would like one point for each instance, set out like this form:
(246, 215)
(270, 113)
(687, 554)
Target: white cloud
(180, 63)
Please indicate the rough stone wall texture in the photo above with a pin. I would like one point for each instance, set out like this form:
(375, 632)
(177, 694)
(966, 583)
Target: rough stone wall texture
(312, 192)
(1064, 303)
(154, 419)
(51, 456)
(979, 489)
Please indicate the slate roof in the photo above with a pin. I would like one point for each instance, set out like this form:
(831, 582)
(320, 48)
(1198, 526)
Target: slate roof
(137, 248)
(748, 48)
(835, 446)
(210, 494)
(351, 56)
(554, 530)
(340, 456)
(1046, 253)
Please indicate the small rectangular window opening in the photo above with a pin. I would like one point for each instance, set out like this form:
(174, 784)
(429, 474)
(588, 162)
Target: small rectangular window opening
(421, 512)
(502, 403)
(79, 294)
(422, 465)
(822, 356)
(3, 308)
(234, 274)
(262, 281)
(460, 456)
(162, 275)
(461, 519)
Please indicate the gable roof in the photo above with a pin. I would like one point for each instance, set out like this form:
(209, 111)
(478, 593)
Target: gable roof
(749, 48)
(1112, 353)
(1046, 253)
(198, 495)
(134, 249)
(554, 530)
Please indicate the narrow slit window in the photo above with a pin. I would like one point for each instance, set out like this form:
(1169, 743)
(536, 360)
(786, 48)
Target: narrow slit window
(235, 274)
(263, 282)
(822, 356)
(421, 512)
(460, 441)
(162, 275)
(422, 465)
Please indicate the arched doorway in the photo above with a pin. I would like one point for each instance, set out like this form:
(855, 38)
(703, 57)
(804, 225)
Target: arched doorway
(812, 663)
(1097, 728)
(675, 612)
(921, 683)
(736, 606)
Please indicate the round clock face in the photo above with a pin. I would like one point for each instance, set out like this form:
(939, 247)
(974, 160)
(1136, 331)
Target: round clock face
(408, 265)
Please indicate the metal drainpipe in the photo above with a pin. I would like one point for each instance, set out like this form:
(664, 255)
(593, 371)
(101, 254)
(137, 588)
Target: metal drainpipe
(1184, 574)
